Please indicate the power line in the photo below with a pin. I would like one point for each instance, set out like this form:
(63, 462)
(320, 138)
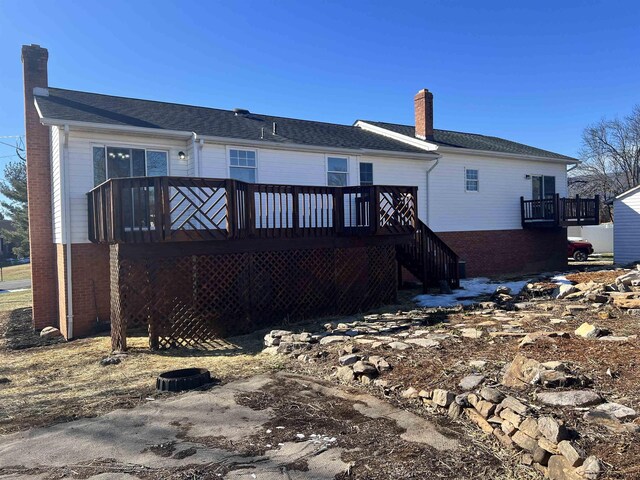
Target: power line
(13, 146)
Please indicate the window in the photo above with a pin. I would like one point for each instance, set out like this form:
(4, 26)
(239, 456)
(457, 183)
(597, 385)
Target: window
(472, 182)
(242, 165)
(337, 168)
(543, 187)
(366, 174)
(119, 162)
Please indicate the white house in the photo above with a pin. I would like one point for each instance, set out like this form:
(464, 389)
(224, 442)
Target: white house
(626, 226)
(497, 203)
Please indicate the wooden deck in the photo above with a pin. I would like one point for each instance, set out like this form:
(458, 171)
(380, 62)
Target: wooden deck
(560, 212)
(186, 209)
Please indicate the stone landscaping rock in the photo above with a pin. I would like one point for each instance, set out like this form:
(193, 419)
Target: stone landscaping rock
(571, 452)
(479, 364)
(524, 441)
(442, 397)
(454, 411)
(364, 368)
(485, 408)
(511, 416)
(471, 382)
(521, 372)
(410, 393)
(553, 430)
(617, 410)
(330, 339)
(606, 420)
(345, 374)
(560, 469)
(541, 456)
(530, 426)
(348, 359)
(507, 427)
(514, 404)
(380, 363)
(398, 345)
(50, 332)
(586, 330)
(476, 418)
(549, 446)
(471, 333)
(570, 398)
(423, 342)
(590, 469)
(492, 395)
(564, 290)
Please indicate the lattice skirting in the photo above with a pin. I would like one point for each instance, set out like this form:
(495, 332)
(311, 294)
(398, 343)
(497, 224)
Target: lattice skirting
(189, 300)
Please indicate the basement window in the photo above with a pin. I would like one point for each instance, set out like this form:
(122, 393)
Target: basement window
(472, 180)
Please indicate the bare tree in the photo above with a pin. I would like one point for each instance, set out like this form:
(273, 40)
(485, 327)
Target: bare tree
(610, 157)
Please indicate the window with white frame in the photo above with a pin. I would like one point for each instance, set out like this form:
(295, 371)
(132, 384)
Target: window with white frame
(366, 173)
(337, 171)
(119, 162)
(242, 165)
(472, 180)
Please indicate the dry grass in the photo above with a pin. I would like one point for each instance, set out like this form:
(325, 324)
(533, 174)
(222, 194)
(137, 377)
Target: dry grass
(66, 381)
(14, 300)
(62, 382)
(16, 272)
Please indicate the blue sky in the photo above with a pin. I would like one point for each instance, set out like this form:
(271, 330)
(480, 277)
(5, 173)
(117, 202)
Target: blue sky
(535, 72)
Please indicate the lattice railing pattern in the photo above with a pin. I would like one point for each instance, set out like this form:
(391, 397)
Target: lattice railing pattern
(191, 300)
(183, 209)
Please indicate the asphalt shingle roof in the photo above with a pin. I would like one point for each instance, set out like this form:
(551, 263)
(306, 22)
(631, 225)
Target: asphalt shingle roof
(473, 141)
(73, 105)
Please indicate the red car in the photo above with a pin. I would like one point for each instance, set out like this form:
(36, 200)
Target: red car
(580, 250)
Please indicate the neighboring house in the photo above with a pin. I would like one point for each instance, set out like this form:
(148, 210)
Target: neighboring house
(498, 204)
(626, 226)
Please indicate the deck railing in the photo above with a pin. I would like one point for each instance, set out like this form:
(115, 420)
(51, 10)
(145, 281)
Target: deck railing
(430, 259)
(560, 212)
(172, 209)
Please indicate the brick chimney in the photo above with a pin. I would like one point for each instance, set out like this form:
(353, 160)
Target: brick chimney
(423, 102)
(43, 250)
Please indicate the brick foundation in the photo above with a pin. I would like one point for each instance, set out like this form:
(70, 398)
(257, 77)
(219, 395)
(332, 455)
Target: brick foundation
(90, 270)
(503, 252)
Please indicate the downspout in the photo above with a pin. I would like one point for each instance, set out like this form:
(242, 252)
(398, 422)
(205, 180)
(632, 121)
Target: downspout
(426, 217)
(67, 230)
(196, 148)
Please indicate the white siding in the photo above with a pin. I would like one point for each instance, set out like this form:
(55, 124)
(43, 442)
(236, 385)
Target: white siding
(80, 157)
(626, 229)
(56, 186)
(496, 206)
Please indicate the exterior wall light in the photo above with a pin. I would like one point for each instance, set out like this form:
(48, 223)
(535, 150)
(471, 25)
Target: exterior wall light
(181, 155)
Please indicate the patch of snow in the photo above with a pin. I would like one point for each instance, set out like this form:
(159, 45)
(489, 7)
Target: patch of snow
(561, 280)
(469, 289)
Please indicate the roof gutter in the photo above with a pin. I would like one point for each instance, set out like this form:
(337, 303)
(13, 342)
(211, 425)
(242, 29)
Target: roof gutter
(126, 129)
(513, 156)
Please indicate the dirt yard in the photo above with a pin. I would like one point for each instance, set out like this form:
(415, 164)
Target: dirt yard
(44, 384)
